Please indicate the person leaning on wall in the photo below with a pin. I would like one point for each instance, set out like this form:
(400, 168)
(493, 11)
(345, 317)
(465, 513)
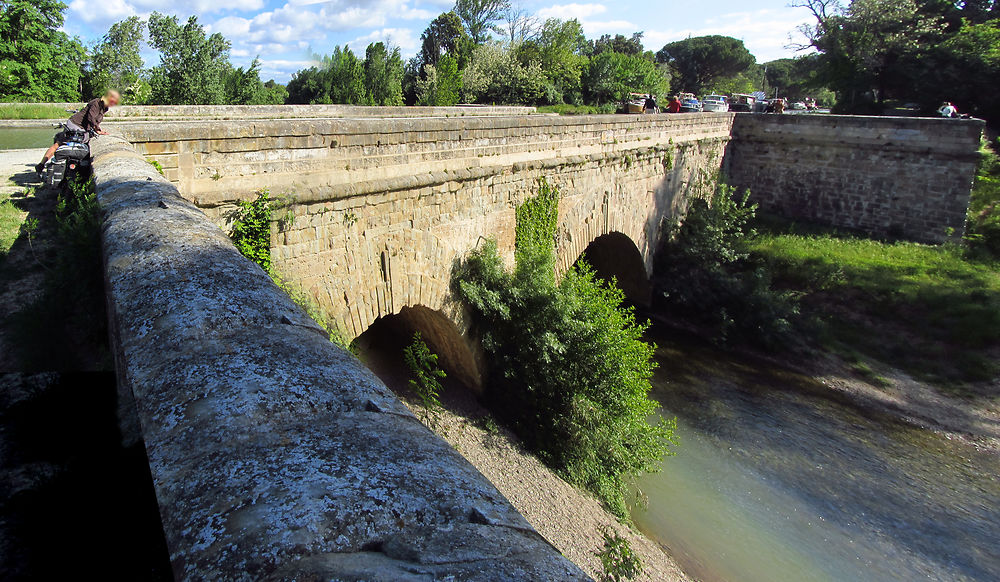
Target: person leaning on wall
(86, 119)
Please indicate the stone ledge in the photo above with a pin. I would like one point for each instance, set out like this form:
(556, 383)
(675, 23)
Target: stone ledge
(274, 454)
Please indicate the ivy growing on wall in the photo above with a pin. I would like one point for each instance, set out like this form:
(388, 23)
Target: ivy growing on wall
(251, 233)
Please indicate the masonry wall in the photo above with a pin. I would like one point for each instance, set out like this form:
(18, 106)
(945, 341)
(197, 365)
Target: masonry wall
(897, 177)
(276, 455)
(380, 211)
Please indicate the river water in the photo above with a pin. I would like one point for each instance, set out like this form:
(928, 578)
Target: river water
(18, 138)
(777, 479)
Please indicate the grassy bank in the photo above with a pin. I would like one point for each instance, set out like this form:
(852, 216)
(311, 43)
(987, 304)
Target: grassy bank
(32, 111)
(11, 218)
(927, 310)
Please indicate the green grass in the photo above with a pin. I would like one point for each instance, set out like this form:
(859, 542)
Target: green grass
(32, 111)
(566, 109)
(926, 310)
(10, 224)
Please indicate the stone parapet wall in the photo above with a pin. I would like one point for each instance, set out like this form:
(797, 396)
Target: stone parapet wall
(275, 454)
(897, 177)
(234, 112)
(217, 162)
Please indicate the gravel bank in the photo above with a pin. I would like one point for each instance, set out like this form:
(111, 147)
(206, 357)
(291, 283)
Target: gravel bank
(569, 518)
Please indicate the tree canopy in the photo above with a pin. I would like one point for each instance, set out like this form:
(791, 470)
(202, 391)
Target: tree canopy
(193, 64)
(874, 52)
(481, 16)
(38, 61)
(116, 62)
(701, 61)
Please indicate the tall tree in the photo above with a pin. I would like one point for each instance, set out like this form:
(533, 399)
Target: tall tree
(480, 16)
(193, 65)
(519, 24)
(560, 50)
(703, 60)
(244, 87)
(619, 44)
(440, 84)
(116, 62)
(495, 76)
(445, 35)
(870, 48)
(38, 61)
(347, 77)
(384, 75)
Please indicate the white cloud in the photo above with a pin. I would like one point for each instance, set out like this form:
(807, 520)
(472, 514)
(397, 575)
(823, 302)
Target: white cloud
(766, 33)
(571, 11)
(107, 11)
(400, 37)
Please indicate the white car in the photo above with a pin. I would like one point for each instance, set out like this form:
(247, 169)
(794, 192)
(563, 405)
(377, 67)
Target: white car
(799, 106)
(715, 103)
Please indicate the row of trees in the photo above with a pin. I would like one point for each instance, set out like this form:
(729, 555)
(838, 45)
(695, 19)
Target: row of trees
(489, 51)
(40, 62)
(876, 52)
(872, 53)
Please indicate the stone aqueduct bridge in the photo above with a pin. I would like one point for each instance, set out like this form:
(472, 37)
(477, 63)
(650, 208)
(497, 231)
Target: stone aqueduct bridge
(276, 454)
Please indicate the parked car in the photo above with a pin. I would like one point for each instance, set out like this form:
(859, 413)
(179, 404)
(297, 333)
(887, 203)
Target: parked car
(742, 103)
(691, 105)
(799, 106)
(715, 103)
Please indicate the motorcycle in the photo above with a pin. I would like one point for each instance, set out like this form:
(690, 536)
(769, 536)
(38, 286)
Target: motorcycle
(70, 160)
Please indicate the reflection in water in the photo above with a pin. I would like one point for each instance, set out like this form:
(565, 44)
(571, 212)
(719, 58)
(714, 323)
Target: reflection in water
(777, 479)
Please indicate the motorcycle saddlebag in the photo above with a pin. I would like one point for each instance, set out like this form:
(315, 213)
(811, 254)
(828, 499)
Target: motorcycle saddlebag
(73, 151)
(56, 171)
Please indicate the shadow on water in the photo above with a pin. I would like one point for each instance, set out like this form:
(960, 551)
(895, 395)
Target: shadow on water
(820, 484)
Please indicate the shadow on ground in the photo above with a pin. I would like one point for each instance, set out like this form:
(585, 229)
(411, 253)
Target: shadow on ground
(73, 497)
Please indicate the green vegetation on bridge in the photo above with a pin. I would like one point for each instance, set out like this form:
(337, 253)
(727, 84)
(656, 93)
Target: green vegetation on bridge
(570, 371)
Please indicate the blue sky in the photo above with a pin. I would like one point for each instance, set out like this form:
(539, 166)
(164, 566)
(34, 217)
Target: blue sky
(286, 33)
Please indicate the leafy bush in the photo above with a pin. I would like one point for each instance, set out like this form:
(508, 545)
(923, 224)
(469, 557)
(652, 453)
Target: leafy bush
(983, 231)
(251, 232)
(427, 376)
(704, 272)
(66, 327)
(570, 371)
(618, 559)
(494, 75)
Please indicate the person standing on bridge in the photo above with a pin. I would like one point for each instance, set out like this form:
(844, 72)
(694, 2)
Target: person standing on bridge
(86, 119)
(674, 105)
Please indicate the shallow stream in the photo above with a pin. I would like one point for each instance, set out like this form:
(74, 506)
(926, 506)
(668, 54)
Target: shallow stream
(777, 479)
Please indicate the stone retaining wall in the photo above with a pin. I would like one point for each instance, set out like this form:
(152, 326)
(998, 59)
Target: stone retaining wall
(898, 177)
(274, 454)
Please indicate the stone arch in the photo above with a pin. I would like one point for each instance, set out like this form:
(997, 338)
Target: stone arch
(457, 355)
(615, 256)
